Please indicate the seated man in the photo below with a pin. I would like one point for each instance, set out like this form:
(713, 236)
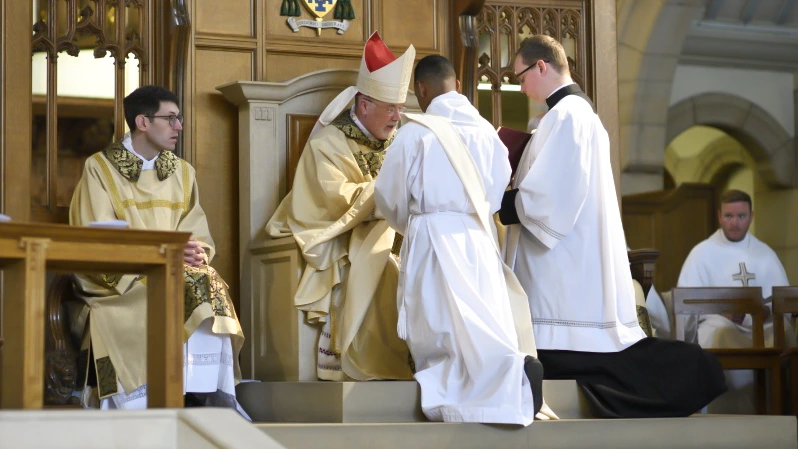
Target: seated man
(458, 319)
(139, 180)
(349, 283)
(565, 242)
(730, 257)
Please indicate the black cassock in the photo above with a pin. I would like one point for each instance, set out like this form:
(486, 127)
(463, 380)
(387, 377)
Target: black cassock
(654, 378)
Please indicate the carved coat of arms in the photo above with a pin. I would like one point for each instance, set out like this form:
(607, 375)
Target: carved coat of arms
(343, 12)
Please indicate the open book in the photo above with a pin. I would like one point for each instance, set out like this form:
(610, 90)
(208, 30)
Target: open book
(515, 141)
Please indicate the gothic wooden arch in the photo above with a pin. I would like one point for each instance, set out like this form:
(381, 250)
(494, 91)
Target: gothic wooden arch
(767, 141)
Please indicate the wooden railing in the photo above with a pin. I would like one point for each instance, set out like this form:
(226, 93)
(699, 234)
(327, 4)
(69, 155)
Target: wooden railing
(29, 250)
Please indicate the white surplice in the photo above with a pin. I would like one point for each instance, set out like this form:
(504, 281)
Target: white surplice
(569, 252)
(719, 262)
(453, 299)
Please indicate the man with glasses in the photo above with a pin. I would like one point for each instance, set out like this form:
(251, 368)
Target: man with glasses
(348, 287)
(140, 180)
(566, 244)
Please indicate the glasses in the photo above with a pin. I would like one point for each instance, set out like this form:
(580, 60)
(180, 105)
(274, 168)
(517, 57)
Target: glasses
(529, 67)
(173, 119)
(391, 110)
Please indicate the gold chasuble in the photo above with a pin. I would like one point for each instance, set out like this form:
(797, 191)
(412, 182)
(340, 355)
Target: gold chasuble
(350, 279)
(114, 187)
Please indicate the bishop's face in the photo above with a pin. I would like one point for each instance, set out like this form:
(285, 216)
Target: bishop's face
(379, 118)
(735, 218)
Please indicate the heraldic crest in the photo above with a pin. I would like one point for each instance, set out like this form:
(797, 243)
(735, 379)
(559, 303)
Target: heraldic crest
(319, 8)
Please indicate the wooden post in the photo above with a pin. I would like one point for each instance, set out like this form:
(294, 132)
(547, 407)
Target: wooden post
(15, 107)
(23, 327)
(165, 298)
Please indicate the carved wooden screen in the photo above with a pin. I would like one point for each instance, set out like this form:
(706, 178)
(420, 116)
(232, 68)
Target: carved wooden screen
(501, 27)
(68, 129)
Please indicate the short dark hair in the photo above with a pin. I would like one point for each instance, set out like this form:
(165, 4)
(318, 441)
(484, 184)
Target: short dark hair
(146, 100)
(546, 48)
(434, 68)
(736, 196)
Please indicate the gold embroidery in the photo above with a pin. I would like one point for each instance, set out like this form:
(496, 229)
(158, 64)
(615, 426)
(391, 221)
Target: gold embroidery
(106, 376)
(369, 162)
(204, 285)
(187, 187)
(116, 199)
(350, 129)
(129, 165)
(153, 203)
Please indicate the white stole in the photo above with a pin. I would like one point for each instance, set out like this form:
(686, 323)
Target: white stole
(466, 169)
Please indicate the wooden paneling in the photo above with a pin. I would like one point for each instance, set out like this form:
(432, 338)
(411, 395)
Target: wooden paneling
(230, 18)
(671, 221)
(298, 127)
(215, 151)
(281, 67)
(424, 23)
(15, 107)
(277, 28)
(418, 24)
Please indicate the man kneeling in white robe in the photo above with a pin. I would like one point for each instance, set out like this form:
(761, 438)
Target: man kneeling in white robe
(733, 257)
(454, 307)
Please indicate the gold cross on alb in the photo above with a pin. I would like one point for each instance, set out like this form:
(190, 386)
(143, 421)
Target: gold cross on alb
(744, 275)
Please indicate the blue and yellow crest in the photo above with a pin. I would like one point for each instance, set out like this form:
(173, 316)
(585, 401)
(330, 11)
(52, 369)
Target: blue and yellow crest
(320, 8)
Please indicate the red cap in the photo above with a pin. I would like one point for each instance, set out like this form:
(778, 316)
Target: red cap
(377, 54)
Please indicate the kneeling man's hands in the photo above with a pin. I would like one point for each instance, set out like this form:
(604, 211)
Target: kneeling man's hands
(193, 253)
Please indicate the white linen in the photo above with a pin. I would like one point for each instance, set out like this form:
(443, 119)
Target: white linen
(719, 262)
(207, 368)
(459, 324)
(569, 251)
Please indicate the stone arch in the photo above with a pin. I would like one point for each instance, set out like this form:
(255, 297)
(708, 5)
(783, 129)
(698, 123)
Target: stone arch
(650, 39)
(766, 140)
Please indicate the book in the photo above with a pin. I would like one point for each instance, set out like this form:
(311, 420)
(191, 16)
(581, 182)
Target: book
(516, 142)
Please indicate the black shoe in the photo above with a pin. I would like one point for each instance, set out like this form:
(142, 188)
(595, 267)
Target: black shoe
(534, 372)
(192, 400)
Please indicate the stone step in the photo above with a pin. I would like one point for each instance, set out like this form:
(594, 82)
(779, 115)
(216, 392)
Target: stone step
(698, 432)
(369, 402)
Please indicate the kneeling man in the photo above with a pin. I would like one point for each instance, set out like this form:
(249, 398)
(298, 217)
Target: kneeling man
(443, 176)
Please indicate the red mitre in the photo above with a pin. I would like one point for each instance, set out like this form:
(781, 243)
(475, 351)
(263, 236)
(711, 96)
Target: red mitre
(376, 53)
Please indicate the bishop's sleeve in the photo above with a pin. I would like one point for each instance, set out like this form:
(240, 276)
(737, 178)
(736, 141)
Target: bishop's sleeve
(551, 195)
(391, 190)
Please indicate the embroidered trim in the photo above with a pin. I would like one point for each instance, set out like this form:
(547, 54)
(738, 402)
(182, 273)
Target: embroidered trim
(187, 187)
(209, 359)
(547, 229)
(138, 393)
(347, 126)
(327, 352)
(129, 165)
(116, 199)
(570, 323)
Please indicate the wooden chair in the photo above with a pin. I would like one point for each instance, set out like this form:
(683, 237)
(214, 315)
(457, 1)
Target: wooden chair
(785, 301)
(736, 300)
(61, 371)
